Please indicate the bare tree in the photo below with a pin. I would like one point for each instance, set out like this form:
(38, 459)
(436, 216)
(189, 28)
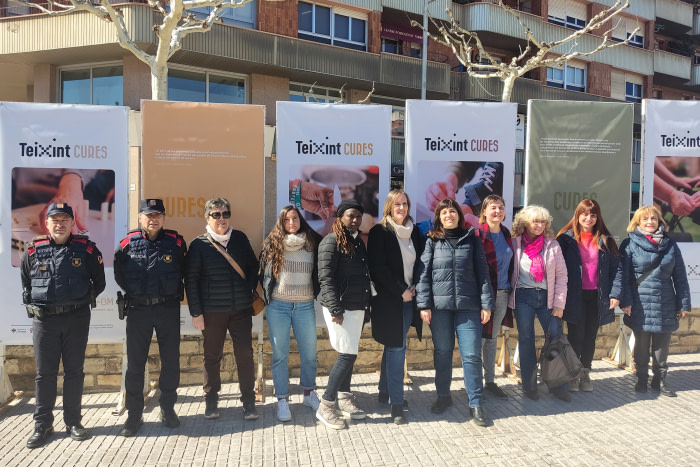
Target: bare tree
(536, 54)
(178, 21)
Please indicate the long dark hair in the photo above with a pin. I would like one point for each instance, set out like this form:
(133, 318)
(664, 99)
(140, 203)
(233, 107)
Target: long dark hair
(341, 237)
(600, 231)
(438, 229)
(273, 247)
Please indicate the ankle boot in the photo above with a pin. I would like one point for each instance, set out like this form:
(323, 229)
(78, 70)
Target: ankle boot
(641, 385)
(397, 414)
(664, 388)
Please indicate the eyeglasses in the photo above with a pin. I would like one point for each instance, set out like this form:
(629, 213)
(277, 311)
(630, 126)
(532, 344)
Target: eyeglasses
(217, 215)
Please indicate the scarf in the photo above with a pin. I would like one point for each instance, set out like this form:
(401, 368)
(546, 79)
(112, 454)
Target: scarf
(533, 249)
(294, 242)
(655, 237)
(453, 235)
(402, 231)
(223, 239)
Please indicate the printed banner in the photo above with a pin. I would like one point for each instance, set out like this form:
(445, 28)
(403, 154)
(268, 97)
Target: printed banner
(459, 150)
(579, 150)
(193, 152)
(330, 152)
(55, 152)
(671, 165)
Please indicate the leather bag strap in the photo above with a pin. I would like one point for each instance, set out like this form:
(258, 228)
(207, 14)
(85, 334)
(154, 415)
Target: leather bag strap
(228, 257)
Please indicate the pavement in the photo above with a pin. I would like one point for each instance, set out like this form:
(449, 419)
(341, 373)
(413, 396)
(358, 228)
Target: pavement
(612, 425)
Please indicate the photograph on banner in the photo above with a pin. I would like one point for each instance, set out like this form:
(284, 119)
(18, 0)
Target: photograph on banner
(467, 182)
(677, 190)
(72, 154)
(33, 189)
(446, 158)
(319, 189)
(671, 181)
(576, 151)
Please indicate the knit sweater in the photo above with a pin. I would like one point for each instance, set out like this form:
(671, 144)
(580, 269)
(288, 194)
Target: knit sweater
(294, 283)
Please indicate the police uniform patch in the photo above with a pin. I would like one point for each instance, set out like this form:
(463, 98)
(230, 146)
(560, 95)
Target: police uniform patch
(43, 267)
(99, 259)
(167, 258)
(77, 262)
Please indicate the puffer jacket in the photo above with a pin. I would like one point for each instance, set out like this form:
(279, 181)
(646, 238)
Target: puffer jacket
(555, 272)
(212, 284)
(454, 279)
(344, 278)
(662, 294)
(607, 268)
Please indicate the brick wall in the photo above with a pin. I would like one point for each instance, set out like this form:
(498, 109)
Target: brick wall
(599, 79)
(103, 361)
(278, 17)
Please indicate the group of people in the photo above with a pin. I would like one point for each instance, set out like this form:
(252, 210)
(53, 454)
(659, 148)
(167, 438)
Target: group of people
(462, 280)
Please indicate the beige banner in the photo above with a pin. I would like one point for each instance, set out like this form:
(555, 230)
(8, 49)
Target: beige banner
(193, 152)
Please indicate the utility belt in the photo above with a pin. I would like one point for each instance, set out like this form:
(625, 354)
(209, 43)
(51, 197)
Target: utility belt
(146, 301)
(41, 311)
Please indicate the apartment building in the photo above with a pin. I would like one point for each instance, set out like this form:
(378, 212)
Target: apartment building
(272, 50)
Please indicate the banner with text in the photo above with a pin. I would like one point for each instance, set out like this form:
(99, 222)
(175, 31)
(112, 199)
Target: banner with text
(330, 152)
(193, 152)
(459, 150)
(579, 150)
(72, 153)
(671, 163)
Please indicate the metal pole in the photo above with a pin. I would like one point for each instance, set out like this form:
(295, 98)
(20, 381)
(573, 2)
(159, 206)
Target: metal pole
(424, 52)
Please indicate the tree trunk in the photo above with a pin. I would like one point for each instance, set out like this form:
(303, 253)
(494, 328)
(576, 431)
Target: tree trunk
(159, 82)
(508, 83)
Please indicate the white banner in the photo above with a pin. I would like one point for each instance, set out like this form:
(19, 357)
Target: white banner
(55, 150)
(461, 150)
(671, 168)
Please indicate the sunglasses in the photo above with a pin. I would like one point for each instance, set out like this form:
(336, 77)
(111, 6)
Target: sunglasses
(217, 215)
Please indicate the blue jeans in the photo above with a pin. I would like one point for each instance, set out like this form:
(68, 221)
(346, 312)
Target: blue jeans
(391, 374)
(467, 325)
(281, 318)
(529, 303)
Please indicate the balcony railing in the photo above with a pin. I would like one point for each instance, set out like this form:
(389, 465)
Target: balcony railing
(676, 11)
(672, 64)
(694, 75)
(436, 8)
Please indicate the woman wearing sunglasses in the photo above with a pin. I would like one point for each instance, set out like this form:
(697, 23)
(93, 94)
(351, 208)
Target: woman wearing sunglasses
(221, 299)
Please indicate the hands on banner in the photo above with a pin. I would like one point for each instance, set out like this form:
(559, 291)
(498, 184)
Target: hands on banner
(670, 188)
(313, 198)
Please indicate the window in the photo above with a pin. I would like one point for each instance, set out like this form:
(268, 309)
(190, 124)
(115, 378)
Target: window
(636, 40)
(568, 13)
(244, 16)
(203, 86)
(624, 28)
(299, 92)
(390, 45)
(633, 92)
(99, 85)
(339, 26)
(570, 77)
(636, 150)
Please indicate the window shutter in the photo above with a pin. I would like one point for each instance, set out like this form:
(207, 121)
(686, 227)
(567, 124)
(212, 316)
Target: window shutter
(634, 79)
(557, 9)
(350, 13)
(617, 85)
(576, 10)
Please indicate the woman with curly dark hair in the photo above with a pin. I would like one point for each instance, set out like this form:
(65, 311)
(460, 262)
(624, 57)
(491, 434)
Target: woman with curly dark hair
(345, 293)
(289, 280)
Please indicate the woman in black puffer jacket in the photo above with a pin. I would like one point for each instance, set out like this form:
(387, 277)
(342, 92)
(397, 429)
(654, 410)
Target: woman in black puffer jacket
(652, 287)
(345, 292)
(454, 295)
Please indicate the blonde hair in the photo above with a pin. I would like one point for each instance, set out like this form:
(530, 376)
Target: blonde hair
(389, 204)
(645, 211)
(528, 214)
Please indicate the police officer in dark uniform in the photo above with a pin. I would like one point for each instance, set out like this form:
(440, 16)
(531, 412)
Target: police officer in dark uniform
(149, 266)
(62, 274)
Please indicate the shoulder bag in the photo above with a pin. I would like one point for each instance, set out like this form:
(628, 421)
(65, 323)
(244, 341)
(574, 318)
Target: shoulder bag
(558, 360)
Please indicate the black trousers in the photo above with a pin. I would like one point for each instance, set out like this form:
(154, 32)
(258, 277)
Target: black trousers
(658, 343)
(340, 376)
(582, 336)
(55, 338)
(141, 321)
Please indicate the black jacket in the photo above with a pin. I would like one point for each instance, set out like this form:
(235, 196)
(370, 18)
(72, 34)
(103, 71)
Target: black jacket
(344, 278)
(386, 270)
(212, 284)
(454, 279)
(607, 268)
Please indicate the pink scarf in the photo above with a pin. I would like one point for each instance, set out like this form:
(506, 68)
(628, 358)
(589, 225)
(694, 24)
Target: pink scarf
(533, 250)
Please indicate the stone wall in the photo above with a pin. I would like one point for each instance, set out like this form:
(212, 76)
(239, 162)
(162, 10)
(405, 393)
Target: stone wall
(103, 361)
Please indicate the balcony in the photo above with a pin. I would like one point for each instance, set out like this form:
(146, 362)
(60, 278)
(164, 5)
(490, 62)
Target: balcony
(464, 88)
(696, 24)
(496, 25)
(643, 8)
(672, 64)
(674, 11)
(694, 75)
(399, 70)
(436, 8)
(375, 5)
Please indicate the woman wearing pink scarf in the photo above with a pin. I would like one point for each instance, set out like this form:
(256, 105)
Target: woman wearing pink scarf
(539, 289)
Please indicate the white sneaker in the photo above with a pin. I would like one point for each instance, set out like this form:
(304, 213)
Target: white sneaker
(311, 400)
(283, 413)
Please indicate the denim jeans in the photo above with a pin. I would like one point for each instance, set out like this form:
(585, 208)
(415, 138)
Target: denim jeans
(530, 302)
(391, 374)
(467, 325)
(281, 318)
(490, 346)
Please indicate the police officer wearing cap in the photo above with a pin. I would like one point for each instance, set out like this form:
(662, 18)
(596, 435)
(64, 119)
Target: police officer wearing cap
(149, 267)
(62, 274)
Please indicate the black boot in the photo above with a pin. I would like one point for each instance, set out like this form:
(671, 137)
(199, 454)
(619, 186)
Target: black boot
(441, 404)
(641, 385)
(664, 388)
(397, 414)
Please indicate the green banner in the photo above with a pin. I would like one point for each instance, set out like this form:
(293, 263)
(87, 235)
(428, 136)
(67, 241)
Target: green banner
(578, 150)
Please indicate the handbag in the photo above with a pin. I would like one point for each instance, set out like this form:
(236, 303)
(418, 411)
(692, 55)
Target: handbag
(558, 360)
(258, 302)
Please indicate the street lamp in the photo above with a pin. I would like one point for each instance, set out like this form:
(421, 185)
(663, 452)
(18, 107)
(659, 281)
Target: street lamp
(424, 53)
